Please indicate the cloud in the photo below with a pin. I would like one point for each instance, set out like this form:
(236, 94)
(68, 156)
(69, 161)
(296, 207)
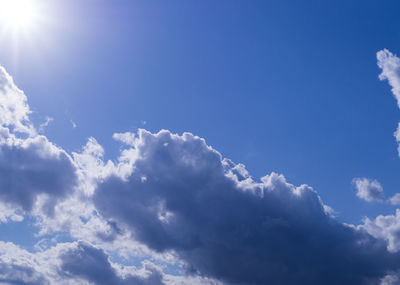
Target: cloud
(74, 125)
(390, 279)
(92, 264)
(368, 190)
(45, 124)
(387, 228)
(18, 266)
(126, 138)
(177, 197)
(390, 66)
(70, 263)
(32, 169)
(395, 199)
(14, 109)
(225, 225)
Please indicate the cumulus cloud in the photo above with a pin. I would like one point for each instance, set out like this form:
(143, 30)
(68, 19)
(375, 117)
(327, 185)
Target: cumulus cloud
(387, 228)
(70, 263)
(395, 199)
(32, 169)
(92, 264)
(225, 225)
(390, 66)
(179, 199)
(14, 109)
(368, 190)
(127, 138)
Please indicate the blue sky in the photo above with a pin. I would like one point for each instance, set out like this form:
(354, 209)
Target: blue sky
(282, 86)
(278, 86)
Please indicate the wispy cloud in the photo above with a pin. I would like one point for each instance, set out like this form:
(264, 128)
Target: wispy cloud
(45, 124)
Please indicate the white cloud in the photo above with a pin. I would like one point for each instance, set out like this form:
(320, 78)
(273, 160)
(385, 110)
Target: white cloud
(387, 228)
(368, 190)
(390, 65)
(395, 199)
(70, 263)
(33, 170)
(43, 125)
(14, 110)
(127, 138)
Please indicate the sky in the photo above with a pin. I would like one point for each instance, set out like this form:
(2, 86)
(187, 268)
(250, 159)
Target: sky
(199, 142)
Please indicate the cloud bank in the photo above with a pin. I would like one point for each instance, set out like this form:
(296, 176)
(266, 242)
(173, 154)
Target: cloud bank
(183, 196)
(182, 203)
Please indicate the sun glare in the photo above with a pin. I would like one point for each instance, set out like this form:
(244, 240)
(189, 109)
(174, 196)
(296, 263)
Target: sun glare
(18, 15)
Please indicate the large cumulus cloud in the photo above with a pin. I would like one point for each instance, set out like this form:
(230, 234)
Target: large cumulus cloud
(175, 196)
(182, 196)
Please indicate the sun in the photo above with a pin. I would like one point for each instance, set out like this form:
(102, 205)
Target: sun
(18, 15)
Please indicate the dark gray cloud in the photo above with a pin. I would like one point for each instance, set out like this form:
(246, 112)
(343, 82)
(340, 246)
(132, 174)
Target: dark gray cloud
(183, 196)
(92, 264)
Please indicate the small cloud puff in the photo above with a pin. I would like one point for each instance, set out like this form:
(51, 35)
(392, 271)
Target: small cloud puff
(127, 138)
(368, 190)
(395, 199)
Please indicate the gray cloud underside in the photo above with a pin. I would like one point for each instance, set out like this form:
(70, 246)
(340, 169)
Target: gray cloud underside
(73, 263)
(183, 196)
